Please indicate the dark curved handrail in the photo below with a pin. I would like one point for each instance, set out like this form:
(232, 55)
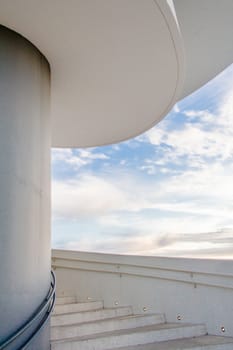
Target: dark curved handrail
(47, 307)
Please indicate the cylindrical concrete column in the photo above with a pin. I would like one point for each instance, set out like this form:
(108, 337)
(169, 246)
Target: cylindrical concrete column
(24, 183)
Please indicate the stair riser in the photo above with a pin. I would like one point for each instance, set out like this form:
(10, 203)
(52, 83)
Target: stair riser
(104, 326)
(66, 308)
(114, 341)
(65, 300)
(89, 316)
(194, 347)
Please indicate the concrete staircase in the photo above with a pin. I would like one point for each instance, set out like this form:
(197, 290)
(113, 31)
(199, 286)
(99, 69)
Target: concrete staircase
(90, 326)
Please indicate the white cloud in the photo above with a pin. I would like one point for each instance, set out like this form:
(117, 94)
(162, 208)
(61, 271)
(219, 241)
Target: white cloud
(209, 137)
(203, 193)
(212, 181)
(78, 158)
(203, 116)
(169, 213)
(87, 154)
(187, 204)
(150, 243)
(88, 195)
(176, 108)
(61, 154)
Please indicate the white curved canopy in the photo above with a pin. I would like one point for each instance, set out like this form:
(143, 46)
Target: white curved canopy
(207, 31)
(118, 65)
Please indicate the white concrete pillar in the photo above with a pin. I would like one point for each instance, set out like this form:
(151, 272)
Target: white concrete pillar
(24, 182)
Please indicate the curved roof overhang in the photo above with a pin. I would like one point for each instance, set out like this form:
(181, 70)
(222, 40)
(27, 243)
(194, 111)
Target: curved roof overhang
(118, 65)
(207, 31)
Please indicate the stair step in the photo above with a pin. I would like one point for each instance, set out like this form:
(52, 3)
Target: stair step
(77, 307)
(208, 342)
(136, 336)
(65, 300)
(126, 322)
(88, 316)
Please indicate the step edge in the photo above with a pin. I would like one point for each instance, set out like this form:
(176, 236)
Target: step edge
(131, 331)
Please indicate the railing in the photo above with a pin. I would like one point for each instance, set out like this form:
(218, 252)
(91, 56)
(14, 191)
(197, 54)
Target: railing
(46, 307)
(188, 290)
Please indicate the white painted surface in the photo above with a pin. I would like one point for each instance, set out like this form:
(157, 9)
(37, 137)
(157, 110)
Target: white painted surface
(145, 331)
(117, 65)
(24, 182)
(65, 300)
(197, 343)
(131, 337)
(197, 290)
(77, 307)
(105, 325)
(89, 316)
(207, 29)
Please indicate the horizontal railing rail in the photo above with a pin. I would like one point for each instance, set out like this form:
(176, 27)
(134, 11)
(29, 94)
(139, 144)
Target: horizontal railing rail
(193, 276)
(44, 311)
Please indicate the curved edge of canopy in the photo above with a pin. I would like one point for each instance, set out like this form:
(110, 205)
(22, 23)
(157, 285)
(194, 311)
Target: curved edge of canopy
(207, 30)
(167, 11)
(117, 66)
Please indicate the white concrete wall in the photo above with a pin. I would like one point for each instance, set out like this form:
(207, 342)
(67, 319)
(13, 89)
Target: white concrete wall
(197, 290)
(24, 182)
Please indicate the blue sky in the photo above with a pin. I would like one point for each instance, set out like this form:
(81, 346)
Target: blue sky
(167, 192)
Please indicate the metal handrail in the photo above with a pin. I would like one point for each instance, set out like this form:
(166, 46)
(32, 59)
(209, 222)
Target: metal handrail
(47, 305)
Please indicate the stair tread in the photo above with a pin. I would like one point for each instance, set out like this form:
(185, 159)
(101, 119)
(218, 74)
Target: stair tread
(117, 318)
(77, 307)
(86, 311)
(65, 296)
(64, 299)
(158, 327)
(86, 316)
(186, 343)
(82, 303)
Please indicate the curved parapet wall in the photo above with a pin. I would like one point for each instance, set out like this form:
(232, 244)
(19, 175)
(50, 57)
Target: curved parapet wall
(186, 290)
